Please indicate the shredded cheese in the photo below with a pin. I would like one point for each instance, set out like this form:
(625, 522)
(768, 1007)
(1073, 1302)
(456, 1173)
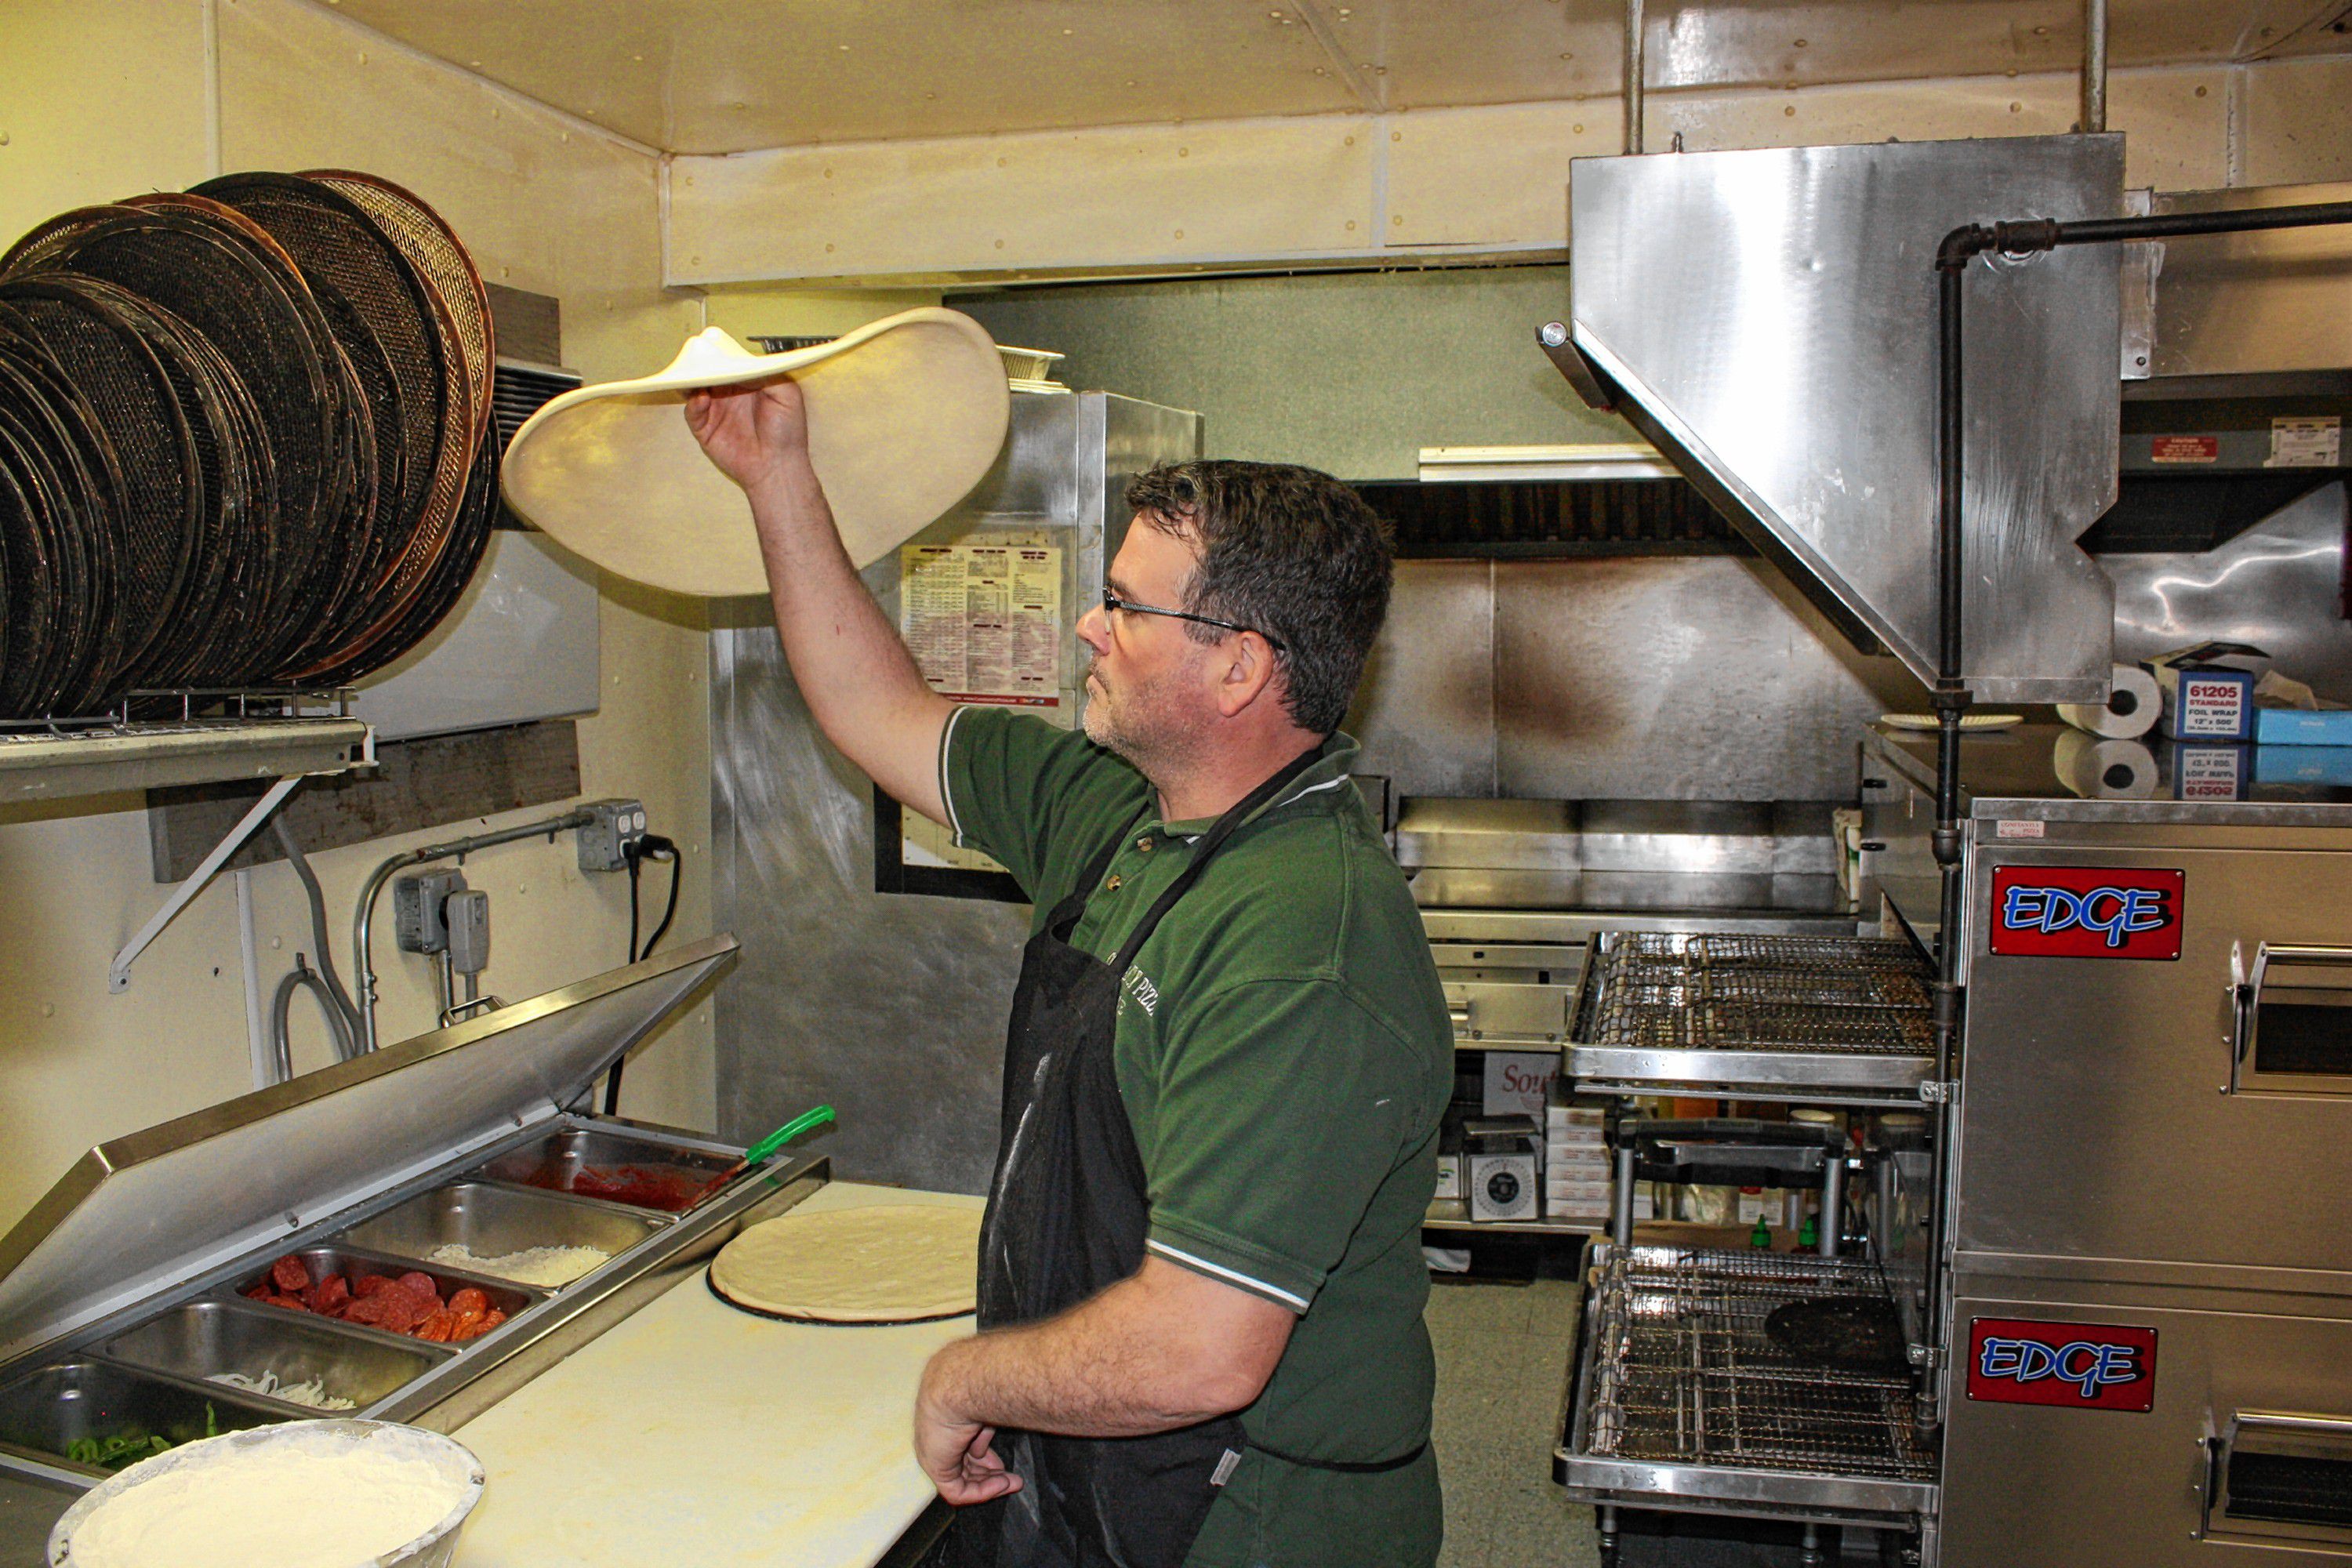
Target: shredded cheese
(545, 1266)
(311, 1394)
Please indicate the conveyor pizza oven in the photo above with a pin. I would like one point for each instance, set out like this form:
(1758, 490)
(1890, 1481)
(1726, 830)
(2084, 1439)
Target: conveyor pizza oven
(2152, 1231)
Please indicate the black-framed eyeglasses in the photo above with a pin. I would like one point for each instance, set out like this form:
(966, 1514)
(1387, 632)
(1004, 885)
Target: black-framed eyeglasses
(1112, 600)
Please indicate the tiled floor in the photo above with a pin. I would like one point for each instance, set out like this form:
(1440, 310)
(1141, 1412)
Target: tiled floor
(1502, 1362)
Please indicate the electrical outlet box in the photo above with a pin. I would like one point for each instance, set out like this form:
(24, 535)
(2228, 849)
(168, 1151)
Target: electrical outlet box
(603, 842)
(467, 916)
(418, 906)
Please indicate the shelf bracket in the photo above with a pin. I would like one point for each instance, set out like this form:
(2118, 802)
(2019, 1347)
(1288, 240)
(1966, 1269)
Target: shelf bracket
(117, 974)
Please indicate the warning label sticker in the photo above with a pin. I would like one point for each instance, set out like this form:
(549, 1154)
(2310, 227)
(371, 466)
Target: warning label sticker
(2184, 448)
(2316, 442)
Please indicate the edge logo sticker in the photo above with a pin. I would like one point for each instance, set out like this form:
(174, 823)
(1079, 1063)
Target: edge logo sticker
(2086, 911)
(2082, 1366)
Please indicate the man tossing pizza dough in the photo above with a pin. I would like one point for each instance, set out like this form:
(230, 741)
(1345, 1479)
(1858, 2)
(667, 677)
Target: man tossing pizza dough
(1201, 1280)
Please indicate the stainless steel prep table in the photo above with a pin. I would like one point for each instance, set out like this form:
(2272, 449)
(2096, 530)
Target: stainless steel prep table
(119, 1292)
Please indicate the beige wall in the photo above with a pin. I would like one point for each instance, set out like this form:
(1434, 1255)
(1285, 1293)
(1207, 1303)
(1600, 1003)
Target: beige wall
(1442, 184)
(99, 98)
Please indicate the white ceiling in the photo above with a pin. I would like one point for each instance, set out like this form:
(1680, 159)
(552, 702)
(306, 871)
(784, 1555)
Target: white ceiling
(724, 75)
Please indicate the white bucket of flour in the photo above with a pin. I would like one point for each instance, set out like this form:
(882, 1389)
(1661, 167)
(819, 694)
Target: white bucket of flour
(307, 1494)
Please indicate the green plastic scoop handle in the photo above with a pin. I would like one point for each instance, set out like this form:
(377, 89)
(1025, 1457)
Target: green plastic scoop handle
(815, 1117)
(806, 1120)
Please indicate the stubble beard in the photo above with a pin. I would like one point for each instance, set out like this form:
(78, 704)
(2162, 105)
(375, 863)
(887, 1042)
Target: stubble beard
(1143, 729)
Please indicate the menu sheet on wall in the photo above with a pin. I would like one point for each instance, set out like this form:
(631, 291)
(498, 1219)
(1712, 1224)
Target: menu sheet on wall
(984, 620)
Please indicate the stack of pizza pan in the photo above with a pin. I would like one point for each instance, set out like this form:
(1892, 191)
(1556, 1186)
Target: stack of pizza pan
(244, 440)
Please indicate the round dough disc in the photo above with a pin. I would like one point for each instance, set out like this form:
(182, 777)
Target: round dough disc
(885, 1263)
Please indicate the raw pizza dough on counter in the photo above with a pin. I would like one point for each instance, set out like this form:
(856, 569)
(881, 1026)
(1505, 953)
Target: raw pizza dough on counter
(885, 1263)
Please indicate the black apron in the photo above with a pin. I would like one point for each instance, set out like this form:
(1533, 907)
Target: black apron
(1068, 1214)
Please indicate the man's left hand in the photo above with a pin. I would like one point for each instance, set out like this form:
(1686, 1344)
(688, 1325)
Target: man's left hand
(958, 1455)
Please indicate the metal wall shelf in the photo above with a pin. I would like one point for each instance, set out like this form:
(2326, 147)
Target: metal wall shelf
(1453, 1213)
(56, 765)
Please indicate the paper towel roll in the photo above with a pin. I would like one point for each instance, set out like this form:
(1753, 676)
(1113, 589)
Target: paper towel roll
(2131, 709)
(2098, 769)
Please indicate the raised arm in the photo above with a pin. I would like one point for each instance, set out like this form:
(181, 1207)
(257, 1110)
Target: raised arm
(853, 671)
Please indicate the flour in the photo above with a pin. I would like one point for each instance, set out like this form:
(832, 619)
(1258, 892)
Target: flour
(275, 1505)
(545, 1266)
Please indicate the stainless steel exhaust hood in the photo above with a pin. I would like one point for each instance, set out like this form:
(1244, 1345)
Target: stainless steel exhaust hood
(1767, 319)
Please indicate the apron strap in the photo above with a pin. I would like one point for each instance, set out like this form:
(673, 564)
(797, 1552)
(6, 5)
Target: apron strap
(1211, 841)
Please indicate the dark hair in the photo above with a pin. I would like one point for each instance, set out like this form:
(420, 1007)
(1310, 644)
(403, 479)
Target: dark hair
(1289, 552)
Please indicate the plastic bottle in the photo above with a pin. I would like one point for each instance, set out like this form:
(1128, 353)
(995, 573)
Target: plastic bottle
(1761, 1236)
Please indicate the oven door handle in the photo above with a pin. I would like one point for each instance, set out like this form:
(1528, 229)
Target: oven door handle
(2246, 987)
(2297, 1425)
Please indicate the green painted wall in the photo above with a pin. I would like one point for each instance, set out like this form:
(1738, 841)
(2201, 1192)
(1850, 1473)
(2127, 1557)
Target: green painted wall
(1351, 372)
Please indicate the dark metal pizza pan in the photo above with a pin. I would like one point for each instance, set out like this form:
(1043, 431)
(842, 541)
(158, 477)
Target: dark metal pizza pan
(125, 392)
(244, 296)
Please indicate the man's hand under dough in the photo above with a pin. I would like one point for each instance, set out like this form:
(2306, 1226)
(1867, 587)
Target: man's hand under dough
(754, 433)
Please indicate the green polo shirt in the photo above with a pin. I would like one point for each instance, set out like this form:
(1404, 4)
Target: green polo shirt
(1283, 1052)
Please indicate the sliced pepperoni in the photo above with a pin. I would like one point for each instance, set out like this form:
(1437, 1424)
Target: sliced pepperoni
(289, 1276)
(294, 1302)
(420, 1283)
(439, 1327)
(471, 1327)
(367, 1285)
(469, 1299)
(329, 1293)
(403, 1309)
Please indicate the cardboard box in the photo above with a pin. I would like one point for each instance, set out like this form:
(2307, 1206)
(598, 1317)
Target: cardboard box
(2303, 765)
(2303, 727)
(2205, 701)
(1449, 1177)
(1519, 1083)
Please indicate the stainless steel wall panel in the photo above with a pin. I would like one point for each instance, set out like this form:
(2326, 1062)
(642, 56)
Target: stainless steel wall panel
(1425, 710)
(1688, 678)
(2235, 303)
(1770, 316)
(2279, 586)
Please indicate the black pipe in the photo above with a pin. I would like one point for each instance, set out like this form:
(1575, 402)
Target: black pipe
(2017, 237)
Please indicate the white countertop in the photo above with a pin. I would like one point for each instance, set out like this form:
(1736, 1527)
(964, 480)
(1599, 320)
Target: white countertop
(692, 1433)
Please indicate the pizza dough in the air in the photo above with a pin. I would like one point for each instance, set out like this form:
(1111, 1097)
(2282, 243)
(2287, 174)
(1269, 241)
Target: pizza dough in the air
(888, 1263)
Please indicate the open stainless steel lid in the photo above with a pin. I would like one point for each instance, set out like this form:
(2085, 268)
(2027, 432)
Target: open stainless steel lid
(144, 1211)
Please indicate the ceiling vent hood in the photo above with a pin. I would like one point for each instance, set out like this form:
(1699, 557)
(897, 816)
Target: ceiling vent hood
(1767, 320)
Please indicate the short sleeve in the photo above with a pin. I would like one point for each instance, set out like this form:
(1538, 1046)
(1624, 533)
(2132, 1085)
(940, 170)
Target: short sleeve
(1013, 783)
(1282, 1109)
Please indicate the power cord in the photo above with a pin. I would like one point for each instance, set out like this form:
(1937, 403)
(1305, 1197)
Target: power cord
(651, 847)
